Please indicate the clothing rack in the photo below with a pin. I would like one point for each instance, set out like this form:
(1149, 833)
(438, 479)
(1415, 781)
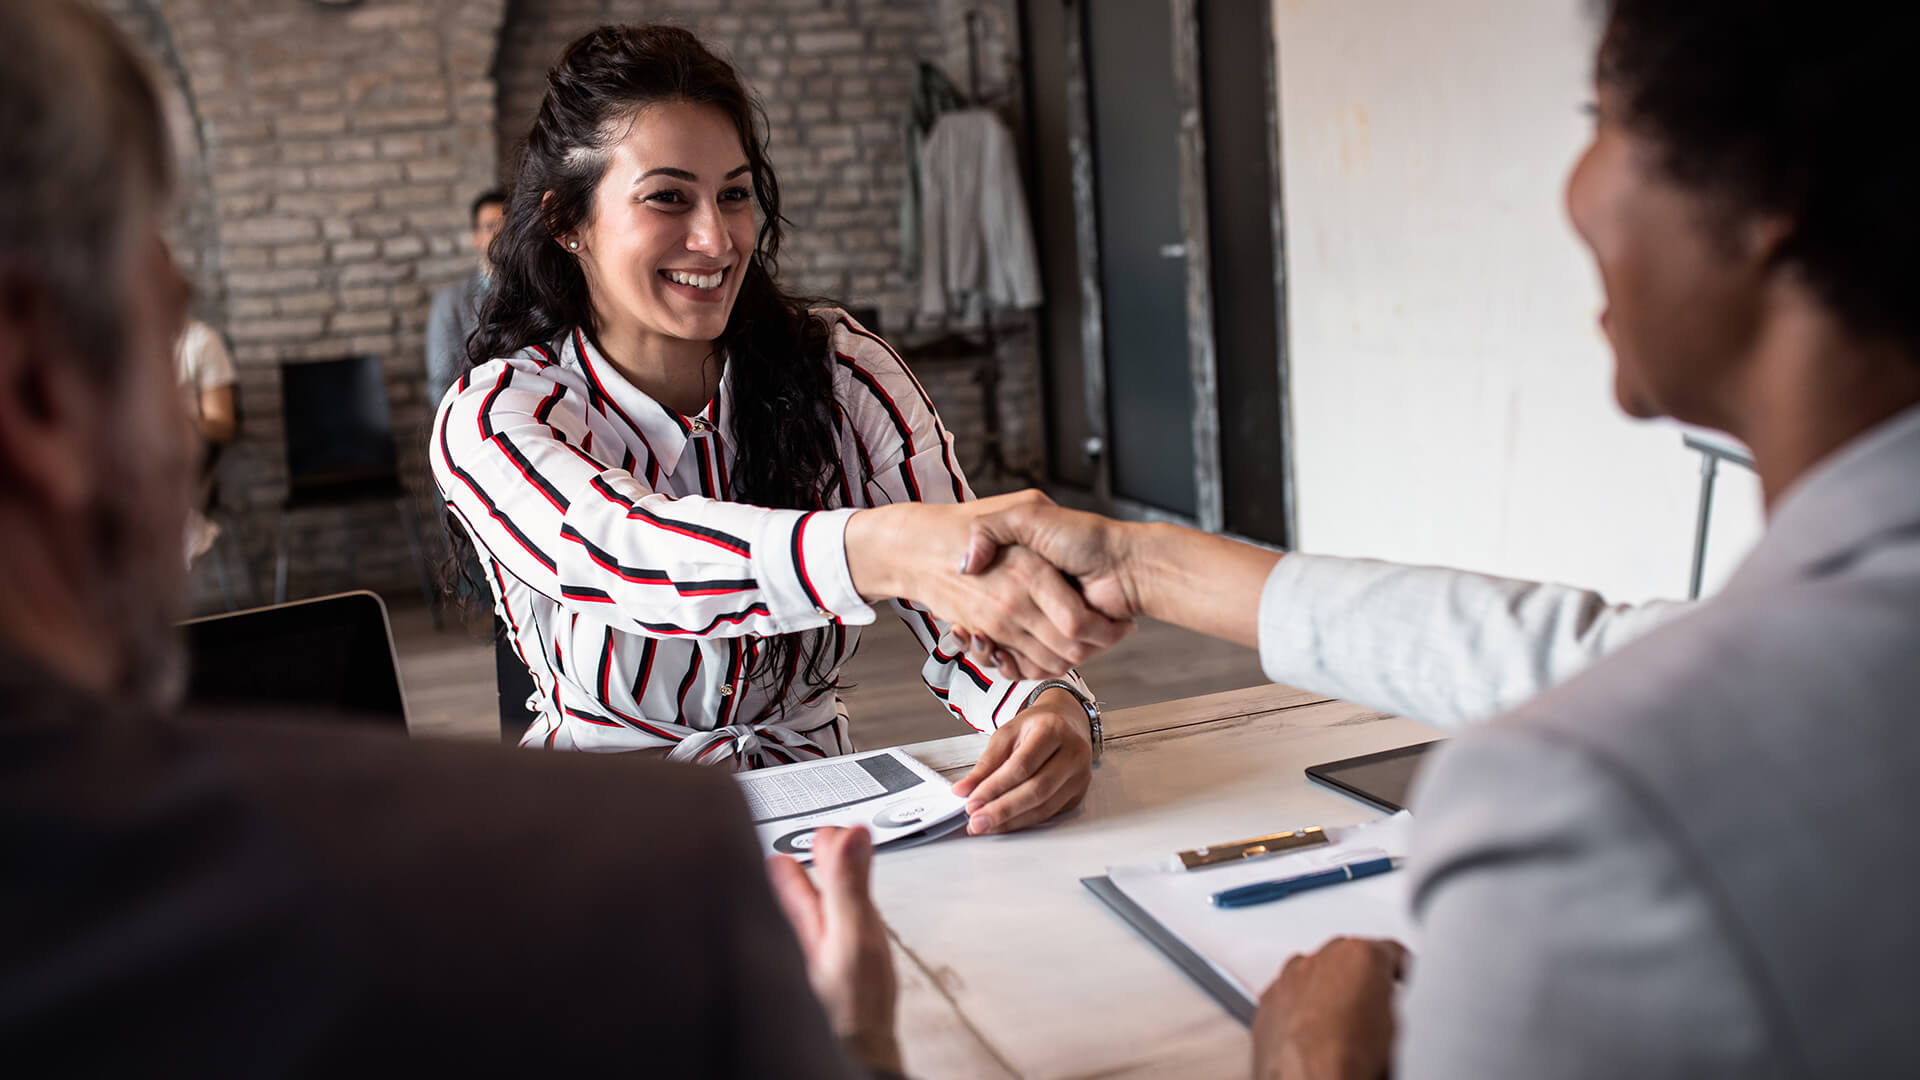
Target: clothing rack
(989, 345)
(989, 371)
(974, 19)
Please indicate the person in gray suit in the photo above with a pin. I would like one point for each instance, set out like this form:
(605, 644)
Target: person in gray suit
(1691, 858)
(456, 308)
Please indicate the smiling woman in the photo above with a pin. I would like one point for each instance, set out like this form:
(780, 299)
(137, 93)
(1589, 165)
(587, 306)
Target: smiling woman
(685, 485)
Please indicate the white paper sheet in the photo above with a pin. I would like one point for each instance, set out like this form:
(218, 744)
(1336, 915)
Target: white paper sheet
(1248, 946)
(898, 799)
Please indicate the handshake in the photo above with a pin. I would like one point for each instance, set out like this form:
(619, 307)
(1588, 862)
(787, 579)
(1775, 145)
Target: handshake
(1033, 589)
(1027, 586)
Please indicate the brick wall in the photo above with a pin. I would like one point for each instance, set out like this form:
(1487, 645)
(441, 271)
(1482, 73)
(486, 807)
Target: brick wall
(330, 153)
(194, 233)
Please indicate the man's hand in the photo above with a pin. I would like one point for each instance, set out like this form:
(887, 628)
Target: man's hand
(1089, 547)
(915, 550)
(1123, 569)
(844, 940)
(1329, 1016)
(1036, 766)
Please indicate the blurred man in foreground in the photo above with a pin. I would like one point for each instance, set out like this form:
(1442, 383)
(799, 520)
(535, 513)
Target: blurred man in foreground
(251, 899)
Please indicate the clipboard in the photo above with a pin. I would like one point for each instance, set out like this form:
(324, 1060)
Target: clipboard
(1237, 1004)
(1233, 954)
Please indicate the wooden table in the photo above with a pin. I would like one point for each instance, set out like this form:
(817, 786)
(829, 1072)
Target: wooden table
(1010, 968)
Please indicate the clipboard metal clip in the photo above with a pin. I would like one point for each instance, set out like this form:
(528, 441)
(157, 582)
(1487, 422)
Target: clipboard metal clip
(1278, 843)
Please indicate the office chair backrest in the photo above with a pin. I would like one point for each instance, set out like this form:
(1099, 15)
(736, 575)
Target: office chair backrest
(339, 428)
(332, 653)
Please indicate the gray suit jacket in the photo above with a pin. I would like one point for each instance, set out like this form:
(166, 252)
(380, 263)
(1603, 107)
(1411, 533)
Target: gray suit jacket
(1696, 859)
(450, 322)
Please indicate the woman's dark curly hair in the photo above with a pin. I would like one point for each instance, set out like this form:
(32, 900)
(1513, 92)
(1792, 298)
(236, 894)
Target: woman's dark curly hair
(1781, 108)
(776, 352)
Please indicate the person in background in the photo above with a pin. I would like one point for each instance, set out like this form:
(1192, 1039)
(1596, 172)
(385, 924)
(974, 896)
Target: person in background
(456, 308)
(686, 484)
(206, 386)
(249, 898)
(1694, 858)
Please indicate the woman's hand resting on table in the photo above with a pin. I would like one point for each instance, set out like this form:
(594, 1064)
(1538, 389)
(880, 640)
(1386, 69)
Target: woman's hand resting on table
(1037, 765)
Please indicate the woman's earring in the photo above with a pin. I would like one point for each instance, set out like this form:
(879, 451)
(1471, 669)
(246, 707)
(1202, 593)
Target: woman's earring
(573, 245)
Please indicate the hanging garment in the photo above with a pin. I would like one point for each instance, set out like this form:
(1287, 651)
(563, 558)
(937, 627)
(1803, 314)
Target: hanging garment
(933, 95)
(977, 247)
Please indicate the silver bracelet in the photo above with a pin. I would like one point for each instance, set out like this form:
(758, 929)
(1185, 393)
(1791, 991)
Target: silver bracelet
(1091, 707)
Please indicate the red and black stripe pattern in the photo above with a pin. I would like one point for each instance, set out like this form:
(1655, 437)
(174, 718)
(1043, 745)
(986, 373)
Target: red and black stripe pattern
(637, 593)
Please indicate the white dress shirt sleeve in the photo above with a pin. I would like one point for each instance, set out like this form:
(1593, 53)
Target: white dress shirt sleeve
(1445, 647)
(594, 539)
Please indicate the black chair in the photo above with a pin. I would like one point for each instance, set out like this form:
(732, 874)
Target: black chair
(229, 545)
(514, 684)
(339, 438)
(333, 652)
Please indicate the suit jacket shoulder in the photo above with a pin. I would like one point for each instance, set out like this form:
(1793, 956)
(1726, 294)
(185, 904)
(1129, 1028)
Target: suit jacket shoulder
(248, 899)
(1685, 801)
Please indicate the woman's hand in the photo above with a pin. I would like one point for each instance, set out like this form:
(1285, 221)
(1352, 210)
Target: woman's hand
(1124, 570)
(1094, 549)
(1036, 766)
(844, 940)
(1089, 547)
(915, 551)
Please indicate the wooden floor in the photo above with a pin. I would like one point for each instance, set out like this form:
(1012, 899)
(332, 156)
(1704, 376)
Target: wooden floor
(448, 675)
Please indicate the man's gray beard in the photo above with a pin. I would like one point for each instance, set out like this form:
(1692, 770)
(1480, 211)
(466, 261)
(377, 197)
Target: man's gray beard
(140, 595)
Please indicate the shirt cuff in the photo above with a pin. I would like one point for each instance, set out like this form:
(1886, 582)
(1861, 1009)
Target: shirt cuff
(802, 563)
(1290, 646)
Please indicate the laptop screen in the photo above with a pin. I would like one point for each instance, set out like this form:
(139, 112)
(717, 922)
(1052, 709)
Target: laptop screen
(332, 653)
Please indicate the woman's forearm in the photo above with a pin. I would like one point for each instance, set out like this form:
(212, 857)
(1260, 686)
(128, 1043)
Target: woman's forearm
(886, 554)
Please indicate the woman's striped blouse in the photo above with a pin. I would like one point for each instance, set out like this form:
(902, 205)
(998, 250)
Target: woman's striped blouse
(638, 595)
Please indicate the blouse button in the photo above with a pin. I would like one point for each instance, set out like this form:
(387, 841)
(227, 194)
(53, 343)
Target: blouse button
(726, 690)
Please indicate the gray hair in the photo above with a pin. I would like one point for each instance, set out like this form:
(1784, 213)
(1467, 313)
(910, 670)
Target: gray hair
(83, 148)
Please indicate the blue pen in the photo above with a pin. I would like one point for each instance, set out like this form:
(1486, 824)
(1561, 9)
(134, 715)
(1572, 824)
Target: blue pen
(1261, 892)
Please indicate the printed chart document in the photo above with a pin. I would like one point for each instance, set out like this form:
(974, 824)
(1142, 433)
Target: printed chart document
(898, 799)
(1233, 953)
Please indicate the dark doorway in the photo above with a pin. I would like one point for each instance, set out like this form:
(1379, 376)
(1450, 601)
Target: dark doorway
(1244, 228)
(1072, 439)
(1127, 201)
(1143, 254)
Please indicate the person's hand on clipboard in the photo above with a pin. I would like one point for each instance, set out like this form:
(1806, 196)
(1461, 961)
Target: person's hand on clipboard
(1329, 1016)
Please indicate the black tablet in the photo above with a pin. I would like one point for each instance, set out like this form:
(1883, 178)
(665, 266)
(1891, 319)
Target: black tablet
(1382, 779)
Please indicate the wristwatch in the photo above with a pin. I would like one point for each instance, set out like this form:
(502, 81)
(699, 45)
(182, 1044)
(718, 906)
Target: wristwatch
(1091, 707)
